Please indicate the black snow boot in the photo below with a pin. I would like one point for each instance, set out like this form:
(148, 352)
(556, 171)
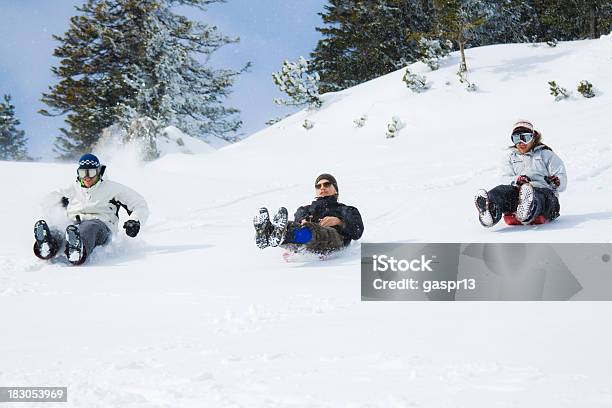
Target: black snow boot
(279, 222)
(46, 246)
(75, 251)
(489, 213)
(263, 228)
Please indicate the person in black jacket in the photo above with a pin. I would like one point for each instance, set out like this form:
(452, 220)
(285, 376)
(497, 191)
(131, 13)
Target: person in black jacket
(323, 226)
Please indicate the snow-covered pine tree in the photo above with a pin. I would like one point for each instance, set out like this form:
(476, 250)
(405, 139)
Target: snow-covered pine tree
(362, 40)
(505, 21)
(301, 87)
(12, 140)
(126, 59)
(171, 87)
(432, 50)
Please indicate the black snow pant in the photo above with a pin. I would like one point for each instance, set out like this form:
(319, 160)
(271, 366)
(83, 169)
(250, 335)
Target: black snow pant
(324, 239)
(506, 198)
(93, 233)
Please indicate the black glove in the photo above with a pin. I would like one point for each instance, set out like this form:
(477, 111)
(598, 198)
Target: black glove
(131, 227)
(520, 180)
(65, 202)
(553, 181)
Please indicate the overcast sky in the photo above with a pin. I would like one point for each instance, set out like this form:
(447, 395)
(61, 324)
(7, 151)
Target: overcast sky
(270, 31)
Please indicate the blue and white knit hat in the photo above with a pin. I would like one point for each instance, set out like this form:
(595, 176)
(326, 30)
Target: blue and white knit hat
(89, 161)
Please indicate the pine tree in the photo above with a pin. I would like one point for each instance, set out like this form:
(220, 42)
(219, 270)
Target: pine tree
(598, 17)
(571, 19)
(301, 87)
(457, 20)
(122, 60)
(363, 40)
(505, 21)
(12, 140)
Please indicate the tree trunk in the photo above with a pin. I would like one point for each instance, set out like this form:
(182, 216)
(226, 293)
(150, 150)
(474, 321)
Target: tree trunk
(592, 20)
(461, 41)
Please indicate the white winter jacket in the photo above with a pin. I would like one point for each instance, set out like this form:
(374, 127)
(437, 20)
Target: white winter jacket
(536, 164)
(102, 202)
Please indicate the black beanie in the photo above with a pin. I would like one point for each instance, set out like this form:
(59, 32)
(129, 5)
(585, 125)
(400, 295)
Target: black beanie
(330, 178)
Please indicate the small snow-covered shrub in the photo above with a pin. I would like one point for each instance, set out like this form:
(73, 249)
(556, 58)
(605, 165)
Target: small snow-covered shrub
(585, 88)
(558, 91)
(394, 127)
(308, 124)
(463, 79)
(552, 43)
(415, 82)
(360, 122)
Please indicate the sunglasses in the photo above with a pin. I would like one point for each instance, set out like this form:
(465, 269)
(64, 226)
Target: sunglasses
(325, 184)
(87, 173)
(524, 137)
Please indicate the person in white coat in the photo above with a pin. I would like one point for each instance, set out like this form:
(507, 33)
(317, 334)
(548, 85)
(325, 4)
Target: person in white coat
(534, 177)
(92, 206)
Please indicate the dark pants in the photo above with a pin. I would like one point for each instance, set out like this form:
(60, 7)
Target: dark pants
(506, 198)
(324, 239)
(93, 233)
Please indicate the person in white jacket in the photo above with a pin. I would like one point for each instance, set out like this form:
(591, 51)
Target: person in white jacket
(534, 176)
(92, 206)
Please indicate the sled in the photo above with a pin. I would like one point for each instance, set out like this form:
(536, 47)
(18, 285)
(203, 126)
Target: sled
(510, 219)
(302, 255)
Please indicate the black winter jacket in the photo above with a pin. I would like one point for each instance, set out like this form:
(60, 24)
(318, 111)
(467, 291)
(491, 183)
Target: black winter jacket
(330, 207)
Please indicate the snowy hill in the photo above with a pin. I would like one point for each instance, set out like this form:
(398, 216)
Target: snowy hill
(192, 314)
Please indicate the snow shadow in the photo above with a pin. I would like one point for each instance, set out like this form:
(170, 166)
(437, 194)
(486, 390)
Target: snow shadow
(561, 223)
(521, 66)
(573, 220)
(332, 98)
(121, 251)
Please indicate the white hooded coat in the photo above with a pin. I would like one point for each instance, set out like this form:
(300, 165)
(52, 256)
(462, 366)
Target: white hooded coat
(102, 201)
(536, 164)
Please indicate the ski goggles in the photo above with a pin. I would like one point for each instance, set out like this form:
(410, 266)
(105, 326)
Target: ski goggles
(88, 173)
(524, 137)
(325, 184)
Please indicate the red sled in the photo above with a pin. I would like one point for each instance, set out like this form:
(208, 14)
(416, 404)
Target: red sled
(510, 219)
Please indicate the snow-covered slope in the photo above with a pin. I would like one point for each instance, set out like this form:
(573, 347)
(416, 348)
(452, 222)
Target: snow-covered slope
(173, 140)
(192, 314)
